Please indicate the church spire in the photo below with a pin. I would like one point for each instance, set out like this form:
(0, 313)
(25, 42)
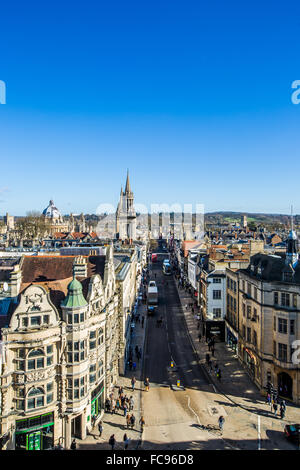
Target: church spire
(127, 188)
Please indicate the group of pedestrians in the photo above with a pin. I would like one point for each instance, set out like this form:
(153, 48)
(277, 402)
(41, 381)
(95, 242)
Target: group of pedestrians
(121, 403)
(275, 403)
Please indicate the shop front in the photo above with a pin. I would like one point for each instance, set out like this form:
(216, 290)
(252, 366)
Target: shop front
(231, 339)
(215, 329)
(35, 433)
(97, 401)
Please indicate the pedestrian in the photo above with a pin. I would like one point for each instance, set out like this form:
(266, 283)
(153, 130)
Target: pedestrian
(198, 325)
(128, 420)
(100, 428)
(134, 365)
(147, 384)
(132, 420)
(118, 405)
(275, 407)
(112, 441)
(126, 441)
(282, 412)
(73, 445)
(142, 423)
(133, 380)
(213, 350)
(221, 421)
(93, 421)
(113, 407)
(130, 364)
(199, 337)
(207, 357)
(131, 403)
(121, 390)
(269, 399)
(219, 375)
(216, 368)
(143, 321)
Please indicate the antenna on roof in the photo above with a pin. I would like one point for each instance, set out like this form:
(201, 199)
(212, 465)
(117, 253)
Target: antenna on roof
(292, 224)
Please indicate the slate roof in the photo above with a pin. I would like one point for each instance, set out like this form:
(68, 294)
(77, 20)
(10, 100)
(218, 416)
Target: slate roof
(272, 268)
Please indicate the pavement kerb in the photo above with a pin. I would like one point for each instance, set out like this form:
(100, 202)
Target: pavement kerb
(211, 380)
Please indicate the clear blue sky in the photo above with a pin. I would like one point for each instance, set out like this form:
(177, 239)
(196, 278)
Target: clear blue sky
(193, 97)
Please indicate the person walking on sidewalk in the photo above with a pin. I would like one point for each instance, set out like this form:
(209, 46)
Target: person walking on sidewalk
(132, 421)
(133, 380)
(143, 321)
(128, 420)
(131, 403)
(112, 441)
(73, 445)
(221, 422)
(207, 357)
(142, 423)
(219, 376)
(199, 337)
(100, 428)
(269, 399)
(125, 409)
(134, 365)
(147, 384)
(126, 441)
(275, 407)
(212, 350)
(282, 409)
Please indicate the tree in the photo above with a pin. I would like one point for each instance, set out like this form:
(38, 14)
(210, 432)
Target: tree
(33, 226)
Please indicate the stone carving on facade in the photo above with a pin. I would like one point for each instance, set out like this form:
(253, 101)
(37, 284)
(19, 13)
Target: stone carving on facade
(34, 376)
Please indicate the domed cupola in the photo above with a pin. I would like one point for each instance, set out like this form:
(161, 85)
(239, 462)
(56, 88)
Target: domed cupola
(75, 296)
(51, 212)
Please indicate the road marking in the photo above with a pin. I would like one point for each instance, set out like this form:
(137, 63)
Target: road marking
(258, 431)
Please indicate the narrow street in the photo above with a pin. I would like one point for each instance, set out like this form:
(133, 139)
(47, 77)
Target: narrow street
(173, 416)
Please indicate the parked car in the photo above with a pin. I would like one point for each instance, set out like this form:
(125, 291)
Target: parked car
(292, 432)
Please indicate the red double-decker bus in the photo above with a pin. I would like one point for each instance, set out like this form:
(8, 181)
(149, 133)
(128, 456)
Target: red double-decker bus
(154, 258)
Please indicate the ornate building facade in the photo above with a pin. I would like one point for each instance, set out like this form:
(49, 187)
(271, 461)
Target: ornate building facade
(61, 345)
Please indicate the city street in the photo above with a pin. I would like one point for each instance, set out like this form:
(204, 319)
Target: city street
(174, 416)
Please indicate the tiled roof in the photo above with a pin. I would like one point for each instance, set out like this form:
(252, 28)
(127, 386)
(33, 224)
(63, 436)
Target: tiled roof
(55, 273)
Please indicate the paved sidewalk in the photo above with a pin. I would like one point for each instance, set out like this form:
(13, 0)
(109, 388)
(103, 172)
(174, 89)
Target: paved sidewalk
(235, 382)
(116, 423)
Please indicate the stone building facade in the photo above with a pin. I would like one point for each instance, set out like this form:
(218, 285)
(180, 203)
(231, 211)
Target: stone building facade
(61, 345)
(269, 327)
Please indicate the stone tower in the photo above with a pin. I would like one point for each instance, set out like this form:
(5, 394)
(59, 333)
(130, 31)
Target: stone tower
(126, 215)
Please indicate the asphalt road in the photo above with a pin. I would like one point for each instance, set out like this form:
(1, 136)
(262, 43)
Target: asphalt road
(174, 417)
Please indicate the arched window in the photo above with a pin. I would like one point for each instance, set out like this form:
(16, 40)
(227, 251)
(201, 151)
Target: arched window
(35, 398)
(35, 359)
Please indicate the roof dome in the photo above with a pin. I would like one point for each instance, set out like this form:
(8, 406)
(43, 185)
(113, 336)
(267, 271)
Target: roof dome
(51, 211)
(75, 297)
